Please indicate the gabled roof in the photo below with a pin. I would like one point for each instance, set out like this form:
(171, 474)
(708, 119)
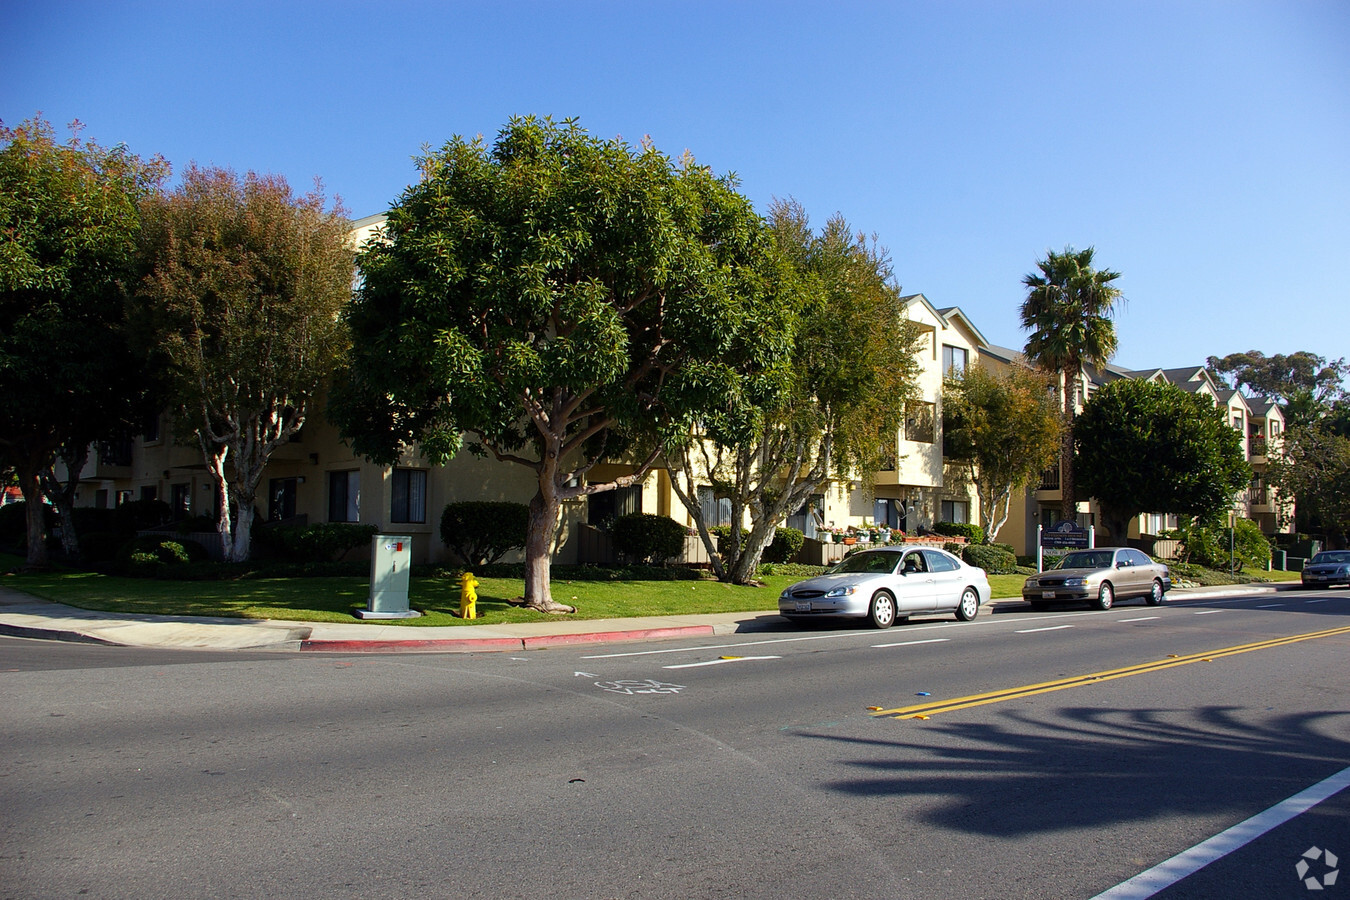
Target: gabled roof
(953, 314)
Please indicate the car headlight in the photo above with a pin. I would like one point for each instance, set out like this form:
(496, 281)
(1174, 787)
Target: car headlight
(1031, 583)
(841, 591)
(1075, 582)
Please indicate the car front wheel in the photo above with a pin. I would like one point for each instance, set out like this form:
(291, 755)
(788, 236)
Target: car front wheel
(969, 607)
(1106, 597)
(881, 613)
(1155, 595)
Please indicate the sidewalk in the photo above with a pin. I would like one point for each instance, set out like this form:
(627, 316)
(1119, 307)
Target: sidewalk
(24, 616)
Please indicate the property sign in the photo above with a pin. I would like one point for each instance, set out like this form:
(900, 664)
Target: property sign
(1064, 535)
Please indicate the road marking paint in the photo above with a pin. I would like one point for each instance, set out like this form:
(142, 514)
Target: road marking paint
(809, 637)
(1209, 612)
(1140, 619)
(909, 712)
(1047, 628)
(719, 661)
(1323, 600)
(1187, 862)
(912, 643)
(1271, 606)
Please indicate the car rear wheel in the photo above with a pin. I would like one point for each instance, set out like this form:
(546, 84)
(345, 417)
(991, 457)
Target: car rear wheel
(1106, 597)
(881, 612)
(1155, 595)
(969, 607)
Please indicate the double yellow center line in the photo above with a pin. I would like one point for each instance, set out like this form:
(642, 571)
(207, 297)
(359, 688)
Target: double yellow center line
(924, 710)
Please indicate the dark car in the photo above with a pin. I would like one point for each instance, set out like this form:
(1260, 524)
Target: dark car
(1099, 576)
(1327, 568)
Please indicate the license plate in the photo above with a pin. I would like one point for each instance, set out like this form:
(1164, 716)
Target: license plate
(1048, 595)
(803, 607)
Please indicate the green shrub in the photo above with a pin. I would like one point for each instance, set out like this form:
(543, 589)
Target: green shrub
(480, 532)
(968, 530)
(147, 554)
(786, 544)
(648, 539)
(1209, 546)
(794, 570)
(994, 560)
(138, 515)
(321, 542)
(954, 548)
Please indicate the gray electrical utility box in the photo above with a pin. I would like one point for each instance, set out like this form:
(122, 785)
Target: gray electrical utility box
(390, 563)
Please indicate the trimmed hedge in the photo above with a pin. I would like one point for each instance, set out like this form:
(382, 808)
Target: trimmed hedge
(968, 530)
(786, 543)
(480, 532)
(993, 559)
(647, 539)
(321, 542)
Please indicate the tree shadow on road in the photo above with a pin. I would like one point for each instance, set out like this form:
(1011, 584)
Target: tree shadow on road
(1022, 774)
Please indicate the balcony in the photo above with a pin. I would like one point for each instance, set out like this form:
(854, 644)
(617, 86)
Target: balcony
(1049, 479)
(1256, 448)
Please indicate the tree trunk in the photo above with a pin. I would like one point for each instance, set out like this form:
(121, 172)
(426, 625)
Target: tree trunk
(543, 527)
(1068, 495)
(62, 496)
(240, 547)
(35, 515)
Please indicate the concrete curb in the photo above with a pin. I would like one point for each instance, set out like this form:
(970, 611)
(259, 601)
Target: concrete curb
(54, 634)
(538, 642)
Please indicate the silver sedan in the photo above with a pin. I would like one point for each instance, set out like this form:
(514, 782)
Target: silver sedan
(889, 583)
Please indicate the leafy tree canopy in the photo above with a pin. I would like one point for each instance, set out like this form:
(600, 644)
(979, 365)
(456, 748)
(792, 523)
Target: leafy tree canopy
(852, 368)
(1145, 446)
(240, 309)
(560, 299)
(1304, 384)
(1005, 428)
(69, 224)
(1315, 467)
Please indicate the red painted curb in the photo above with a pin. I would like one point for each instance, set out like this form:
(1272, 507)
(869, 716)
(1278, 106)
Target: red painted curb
(557, 640)
(465, 644)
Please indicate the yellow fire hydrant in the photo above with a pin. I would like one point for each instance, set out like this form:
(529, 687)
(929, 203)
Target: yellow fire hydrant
(468, 596)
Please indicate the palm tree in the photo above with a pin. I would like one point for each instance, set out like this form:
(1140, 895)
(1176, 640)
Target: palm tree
(1067, 311)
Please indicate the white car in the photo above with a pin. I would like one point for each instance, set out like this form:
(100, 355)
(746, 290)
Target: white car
(887, 584)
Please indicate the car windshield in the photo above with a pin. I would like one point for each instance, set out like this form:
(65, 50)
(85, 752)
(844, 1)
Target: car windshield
(1088, 559)
(869, 563)
(1332, 556)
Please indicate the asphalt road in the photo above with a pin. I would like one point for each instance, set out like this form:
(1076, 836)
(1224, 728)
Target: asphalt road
(760, 765)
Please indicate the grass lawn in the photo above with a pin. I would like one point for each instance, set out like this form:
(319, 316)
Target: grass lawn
(336, 599)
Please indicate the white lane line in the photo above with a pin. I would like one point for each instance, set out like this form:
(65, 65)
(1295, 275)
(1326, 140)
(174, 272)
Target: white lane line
(912, 643)
(1170, 871)
(718, 662)
(1047, 628)
(1209, 612)
(810, 637)
(1323, 600)
(1140, 619)
(1271, 606)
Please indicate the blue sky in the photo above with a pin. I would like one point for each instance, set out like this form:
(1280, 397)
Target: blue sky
(1202, 148)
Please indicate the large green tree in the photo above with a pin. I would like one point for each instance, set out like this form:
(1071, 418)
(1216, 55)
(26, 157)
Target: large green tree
(1068, 311)
(1314, 466)
(1004, 428)
(1145, 446)
(69, 224)
(1305, 385)
(852, 368)
(560, 300)
(240, 308)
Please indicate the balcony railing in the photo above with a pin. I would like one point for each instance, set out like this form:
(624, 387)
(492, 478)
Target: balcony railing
(1049, 479)
(1256, 447)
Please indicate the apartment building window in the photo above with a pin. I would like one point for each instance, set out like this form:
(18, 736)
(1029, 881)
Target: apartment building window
(149, 492)
(716, 510)
(181, 499)
(150, 429)
(281, 499)
(954, 359)
(955, 511)
(408, 490)
(920, 423)
(603, 508)
(344, 496)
